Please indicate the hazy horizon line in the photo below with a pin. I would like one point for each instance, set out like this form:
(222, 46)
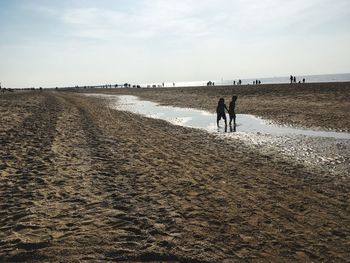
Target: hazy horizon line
(218, 81)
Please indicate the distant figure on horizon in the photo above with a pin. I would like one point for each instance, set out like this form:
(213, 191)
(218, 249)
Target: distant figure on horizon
(240, 82)
(295, 79)
(259, 82)
(291, 79)
(231, 110)
(234, 83)
(220, 112)
(303, 80)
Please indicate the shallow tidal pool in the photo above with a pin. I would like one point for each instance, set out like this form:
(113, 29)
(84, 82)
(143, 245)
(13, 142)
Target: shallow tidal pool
(200, 119)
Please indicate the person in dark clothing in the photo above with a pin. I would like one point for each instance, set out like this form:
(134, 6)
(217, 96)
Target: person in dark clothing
(220, 111)
(294, 79)
(291, 79)
(231, 110)
(303, 80)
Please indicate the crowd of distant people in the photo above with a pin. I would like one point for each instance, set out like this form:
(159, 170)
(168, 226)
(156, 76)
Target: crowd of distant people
(3, 90)
(293, 79)
(238, 82)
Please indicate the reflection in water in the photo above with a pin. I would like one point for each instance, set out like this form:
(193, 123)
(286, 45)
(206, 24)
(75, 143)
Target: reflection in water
(205, 120)
(232, 128)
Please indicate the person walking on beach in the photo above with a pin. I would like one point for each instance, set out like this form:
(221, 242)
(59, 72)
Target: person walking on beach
(291, 79)
(220, 111)
(231, 110)
(295, 79)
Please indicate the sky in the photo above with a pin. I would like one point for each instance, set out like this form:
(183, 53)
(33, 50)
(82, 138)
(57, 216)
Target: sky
(87, 42)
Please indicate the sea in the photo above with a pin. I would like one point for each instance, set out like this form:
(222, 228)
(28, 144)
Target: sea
(270, 80)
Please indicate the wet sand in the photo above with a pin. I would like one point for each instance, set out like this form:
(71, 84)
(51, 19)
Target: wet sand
(81, 182)
(312, 105)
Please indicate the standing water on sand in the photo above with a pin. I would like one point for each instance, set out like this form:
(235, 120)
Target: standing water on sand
(200, 119)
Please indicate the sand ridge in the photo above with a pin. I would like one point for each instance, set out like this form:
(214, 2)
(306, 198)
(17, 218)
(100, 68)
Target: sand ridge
(82, 182)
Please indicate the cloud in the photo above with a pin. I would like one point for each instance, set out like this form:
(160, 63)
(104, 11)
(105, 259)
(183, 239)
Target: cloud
(154, 19)
(192, 19)
(188, 39)
(94, 22)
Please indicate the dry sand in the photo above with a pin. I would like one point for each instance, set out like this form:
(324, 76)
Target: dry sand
(80, 182)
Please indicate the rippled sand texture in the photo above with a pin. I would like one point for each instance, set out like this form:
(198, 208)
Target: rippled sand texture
(81, 182)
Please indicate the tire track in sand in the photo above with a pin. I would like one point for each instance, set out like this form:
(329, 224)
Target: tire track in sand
(26, 152)
(116, 186)
(271, 208)
(94, 208)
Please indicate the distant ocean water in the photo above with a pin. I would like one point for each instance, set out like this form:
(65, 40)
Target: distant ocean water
(272, 80)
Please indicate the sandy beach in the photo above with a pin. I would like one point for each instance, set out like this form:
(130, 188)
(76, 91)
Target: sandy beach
(82, 182)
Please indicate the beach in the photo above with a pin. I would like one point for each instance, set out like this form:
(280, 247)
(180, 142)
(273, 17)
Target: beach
(80, 181)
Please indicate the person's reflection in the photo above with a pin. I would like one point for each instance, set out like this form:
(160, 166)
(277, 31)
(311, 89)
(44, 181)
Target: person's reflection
(232, 128)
